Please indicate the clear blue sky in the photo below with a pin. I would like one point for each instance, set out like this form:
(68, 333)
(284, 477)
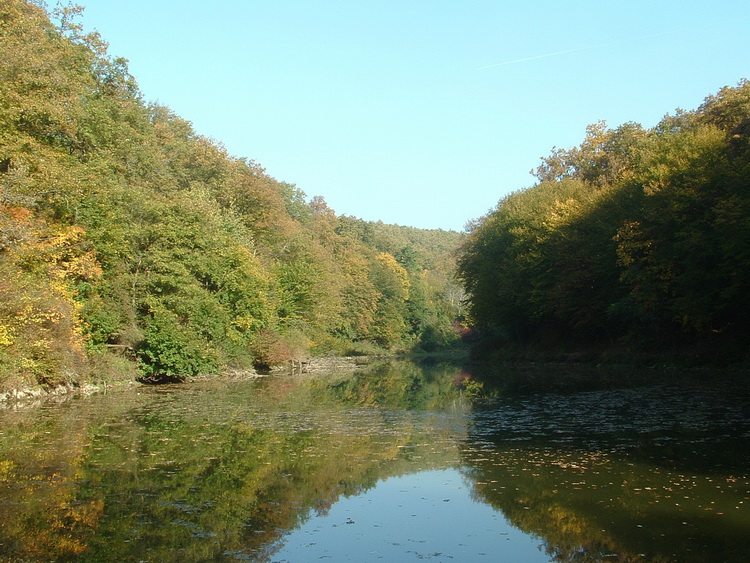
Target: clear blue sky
(416, 112)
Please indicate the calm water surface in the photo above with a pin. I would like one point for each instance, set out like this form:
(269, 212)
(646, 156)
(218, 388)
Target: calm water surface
(399, 463)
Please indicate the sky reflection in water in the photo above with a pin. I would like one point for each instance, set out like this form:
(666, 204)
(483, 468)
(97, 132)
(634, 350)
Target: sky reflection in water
(396, 464)
(429, 515)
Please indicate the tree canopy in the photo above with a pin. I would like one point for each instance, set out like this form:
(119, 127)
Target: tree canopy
(636, 236)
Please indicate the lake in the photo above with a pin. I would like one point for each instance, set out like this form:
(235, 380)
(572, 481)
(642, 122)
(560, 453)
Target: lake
(398, 462)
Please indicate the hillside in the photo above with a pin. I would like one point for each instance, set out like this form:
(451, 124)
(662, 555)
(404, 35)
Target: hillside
(132, 245)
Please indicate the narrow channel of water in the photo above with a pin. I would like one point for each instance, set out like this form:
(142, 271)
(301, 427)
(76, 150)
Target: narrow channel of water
(399, 463)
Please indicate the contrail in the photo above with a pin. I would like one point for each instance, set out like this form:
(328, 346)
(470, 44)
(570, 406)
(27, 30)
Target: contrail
(534, 58)
(600, 45)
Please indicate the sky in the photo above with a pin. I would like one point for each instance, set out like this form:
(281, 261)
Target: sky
(415, 112)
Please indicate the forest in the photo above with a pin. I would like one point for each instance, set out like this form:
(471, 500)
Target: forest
(636, 242)
(133, 247)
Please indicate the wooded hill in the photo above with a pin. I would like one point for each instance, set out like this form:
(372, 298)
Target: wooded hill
(127, 239)
(637, 240)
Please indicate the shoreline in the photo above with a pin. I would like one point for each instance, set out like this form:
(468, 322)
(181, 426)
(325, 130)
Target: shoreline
(34, 396)
(29, 396)
(522, 373)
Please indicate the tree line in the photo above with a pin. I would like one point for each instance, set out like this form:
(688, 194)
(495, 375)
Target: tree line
(130, 242)
(637, 240)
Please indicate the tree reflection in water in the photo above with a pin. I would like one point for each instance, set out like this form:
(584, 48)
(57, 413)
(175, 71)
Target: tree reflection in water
(226, 470)
(657, 473)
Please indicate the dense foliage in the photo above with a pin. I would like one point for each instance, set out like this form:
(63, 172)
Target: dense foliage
(125, 234)
(638, 237)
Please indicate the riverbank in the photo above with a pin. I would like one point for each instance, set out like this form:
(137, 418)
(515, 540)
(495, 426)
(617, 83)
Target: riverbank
(34, 396)
(29, 395)
(512, 373)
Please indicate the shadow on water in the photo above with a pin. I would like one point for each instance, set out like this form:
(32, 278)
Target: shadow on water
(644, 468)
(230, 470)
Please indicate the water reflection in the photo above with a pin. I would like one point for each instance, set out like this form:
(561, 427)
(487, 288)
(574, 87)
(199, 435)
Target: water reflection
(429, 515)
(657, 473)
(252, 470)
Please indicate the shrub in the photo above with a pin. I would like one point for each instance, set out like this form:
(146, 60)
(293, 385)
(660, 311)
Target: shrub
(269, 350)
(171, 352)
